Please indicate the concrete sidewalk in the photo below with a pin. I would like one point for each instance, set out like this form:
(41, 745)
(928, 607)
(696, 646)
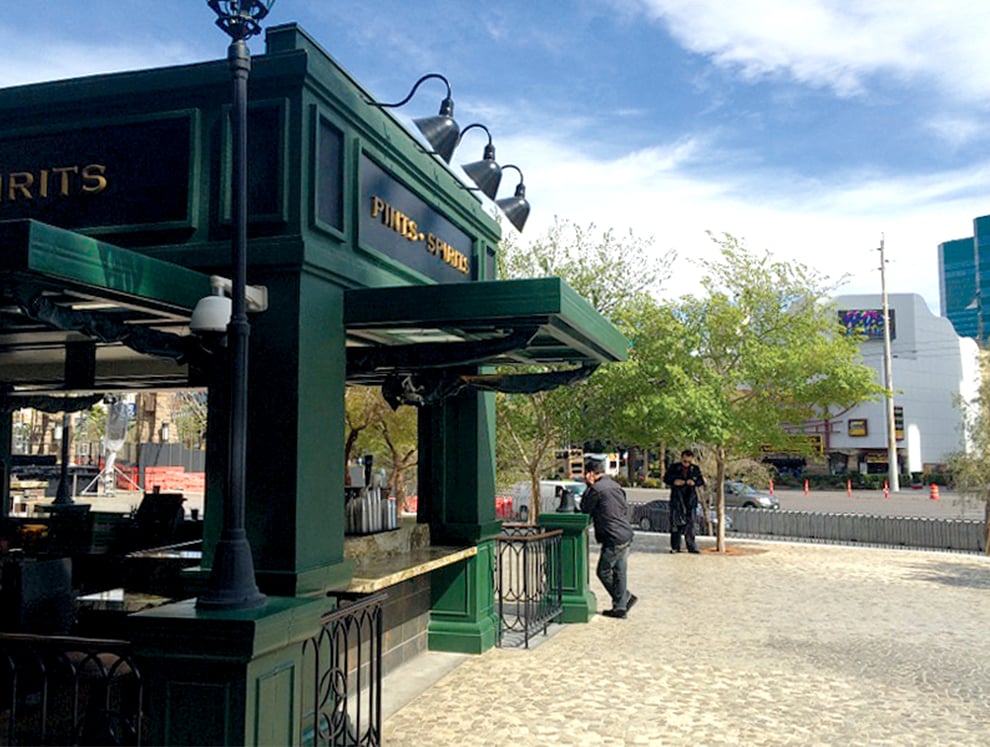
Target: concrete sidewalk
(773, 644)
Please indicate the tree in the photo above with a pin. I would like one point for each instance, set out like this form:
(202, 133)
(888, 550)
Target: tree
(363, 407)
(389, 436)
(189, 413)
(970, 467)
(745, 365)
(610, 272)
(395, 435)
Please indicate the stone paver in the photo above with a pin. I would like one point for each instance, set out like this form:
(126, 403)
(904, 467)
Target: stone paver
(781, 644)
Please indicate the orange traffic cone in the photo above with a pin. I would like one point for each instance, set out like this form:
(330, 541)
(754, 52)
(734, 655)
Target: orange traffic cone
(849, 488)
(806, 487)
(933, 491)
(886, 491)
(771, 486)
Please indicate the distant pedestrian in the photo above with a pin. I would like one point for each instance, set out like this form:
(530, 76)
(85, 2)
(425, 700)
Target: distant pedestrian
(605, 502)
(684, 479)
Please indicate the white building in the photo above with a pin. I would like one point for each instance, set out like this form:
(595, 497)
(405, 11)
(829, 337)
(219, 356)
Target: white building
(934, 370)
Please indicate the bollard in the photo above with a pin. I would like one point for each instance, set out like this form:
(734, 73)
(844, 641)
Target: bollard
(806, 487)
(771, 486)
(849, 488)
(886, 491)
(933, 491)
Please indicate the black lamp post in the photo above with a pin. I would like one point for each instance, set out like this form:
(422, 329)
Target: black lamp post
(232, 583)
(63, 494)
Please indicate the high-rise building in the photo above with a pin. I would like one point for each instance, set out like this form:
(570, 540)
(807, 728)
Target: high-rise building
(981, 247)
(964, 281)
(957, 285)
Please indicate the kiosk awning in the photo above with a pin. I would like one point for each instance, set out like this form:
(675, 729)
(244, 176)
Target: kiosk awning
(415, 329)
(66, 297)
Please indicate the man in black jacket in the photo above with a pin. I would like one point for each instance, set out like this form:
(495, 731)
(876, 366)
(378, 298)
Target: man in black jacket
(605, 502)
(684, 479)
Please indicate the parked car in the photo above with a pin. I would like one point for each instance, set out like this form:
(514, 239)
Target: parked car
(740, 495)
(655, 517)
(549, 498)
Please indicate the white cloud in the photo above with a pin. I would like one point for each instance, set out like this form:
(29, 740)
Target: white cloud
(833, 228)
(956, 131)
(66, 58)
(839, 44)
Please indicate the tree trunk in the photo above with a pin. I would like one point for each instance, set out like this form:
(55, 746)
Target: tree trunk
(720, 488)
(986, 525)
(534, 499)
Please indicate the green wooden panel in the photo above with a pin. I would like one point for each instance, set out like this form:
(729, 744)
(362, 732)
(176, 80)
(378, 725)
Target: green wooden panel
(80, 261)
(470, 310)
(275, 707)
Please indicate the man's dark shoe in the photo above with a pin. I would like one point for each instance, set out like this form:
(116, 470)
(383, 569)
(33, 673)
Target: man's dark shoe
(620, 614)
(693, 552)
(632, 600)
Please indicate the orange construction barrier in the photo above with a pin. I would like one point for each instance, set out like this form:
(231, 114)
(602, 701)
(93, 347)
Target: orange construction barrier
(933, 491)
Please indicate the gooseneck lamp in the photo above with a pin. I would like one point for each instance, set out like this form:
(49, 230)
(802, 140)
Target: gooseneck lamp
(441, 131)
(516, 208)
(232, 584)
(485, 173)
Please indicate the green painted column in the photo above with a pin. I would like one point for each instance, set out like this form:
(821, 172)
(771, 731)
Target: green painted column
(457, 498)
(579, 603)
(226, 678)
(6, 444)
(295, 474)
(463, 618)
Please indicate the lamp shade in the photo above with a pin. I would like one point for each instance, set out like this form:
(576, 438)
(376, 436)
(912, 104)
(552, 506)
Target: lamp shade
(441, 131)
(211, 315)
(486, 174)
(516, 208)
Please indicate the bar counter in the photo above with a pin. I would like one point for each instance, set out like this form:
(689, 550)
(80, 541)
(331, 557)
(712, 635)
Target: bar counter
(388, 558)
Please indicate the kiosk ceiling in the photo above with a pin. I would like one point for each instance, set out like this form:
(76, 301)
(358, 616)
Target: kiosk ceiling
(72, 310)
(532, 321)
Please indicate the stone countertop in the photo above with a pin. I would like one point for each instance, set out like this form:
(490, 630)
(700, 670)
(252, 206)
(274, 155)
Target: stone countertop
(374, 573)
(118, 600)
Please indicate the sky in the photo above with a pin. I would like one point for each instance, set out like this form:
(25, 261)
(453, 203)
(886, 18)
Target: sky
(812, 129)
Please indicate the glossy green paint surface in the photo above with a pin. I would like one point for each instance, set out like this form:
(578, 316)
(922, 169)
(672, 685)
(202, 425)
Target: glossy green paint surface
(56, 256)
(464, 618)
(230, 677)
(580, 604)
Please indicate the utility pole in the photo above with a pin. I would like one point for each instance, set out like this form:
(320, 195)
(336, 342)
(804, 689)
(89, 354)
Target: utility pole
(893, 474)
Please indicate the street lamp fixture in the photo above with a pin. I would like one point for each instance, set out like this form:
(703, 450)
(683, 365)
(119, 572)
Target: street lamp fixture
(516, 208)
(232, 584)
(440, 131)
(485, 173)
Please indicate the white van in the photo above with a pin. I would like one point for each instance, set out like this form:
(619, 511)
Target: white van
(521, 493)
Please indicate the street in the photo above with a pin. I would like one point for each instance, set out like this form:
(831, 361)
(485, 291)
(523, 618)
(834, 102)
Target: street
(907, 502)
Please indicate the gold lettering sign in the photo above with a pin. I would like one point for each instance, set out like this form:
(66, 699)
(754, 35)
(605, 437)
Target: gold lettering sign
(52, 182)
(407, 228)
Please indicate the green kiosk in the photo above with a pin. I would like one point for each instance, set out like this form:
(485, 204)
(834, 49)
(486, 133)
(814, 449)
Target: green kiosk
(379, 266)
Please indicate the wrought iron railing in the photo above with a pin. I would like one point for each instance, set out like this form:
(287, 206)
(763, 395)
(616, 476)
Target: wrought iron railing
(528, 581)
(68, 691)
(344, 706)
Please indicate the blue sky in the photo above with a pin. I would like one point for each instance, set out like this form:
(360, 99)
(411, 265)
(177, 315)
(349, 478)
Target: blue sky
(808, 127)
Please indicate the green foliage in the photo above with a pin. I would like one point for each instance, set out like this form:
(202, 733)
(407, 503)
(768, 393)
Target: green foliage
(608, 271)
(190, 415)
(740, 367)
(970, 469)
(391, 437)
(613, 274)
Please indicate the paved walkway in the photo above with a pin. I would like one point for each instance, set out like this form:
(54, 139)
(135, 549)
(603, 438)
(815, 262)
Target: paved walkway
(779, 644)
